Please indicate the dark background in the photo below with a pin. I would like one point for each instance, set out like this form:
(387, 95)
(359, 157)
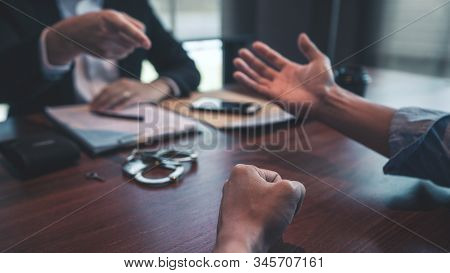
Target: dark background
(359, 24)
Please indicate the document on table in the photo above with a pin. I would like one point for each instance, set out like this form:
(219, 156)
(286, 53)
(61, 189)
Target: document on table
(101, 133)
(269, 114)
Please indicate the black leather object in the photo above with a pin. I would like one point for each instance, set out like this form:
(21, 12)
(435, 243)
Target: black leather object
(40, 154)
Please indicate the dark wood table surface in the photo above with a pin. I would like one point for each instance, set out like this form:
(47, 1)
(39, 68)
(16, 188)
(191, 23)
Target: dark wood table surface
(351, 206)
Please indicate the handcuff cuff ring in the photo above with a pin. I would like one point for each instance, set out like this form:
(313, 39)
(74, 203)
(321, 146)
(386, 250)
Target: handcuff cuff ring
(141, 161)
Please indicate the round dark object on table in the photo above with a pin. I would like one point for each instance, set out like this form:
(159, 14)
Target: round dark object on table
(354, 78)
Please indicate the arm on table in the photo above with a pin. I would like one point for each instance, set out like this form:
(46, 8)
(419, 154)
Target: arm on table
(366, 122)
(293, 84)
(375, 126)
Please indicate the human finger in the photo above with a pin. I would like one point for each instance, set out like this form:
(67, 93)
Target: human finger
(118, 101)
(298, 193)
(250, 83)
(115, 100)
(308, 48)
(127, 102)
(135, 22)
(126, 27)
(242, 66)
(268, 175)
(116, 51)
(255, 63)
(104, 95)
(125, 40)
(271, 56)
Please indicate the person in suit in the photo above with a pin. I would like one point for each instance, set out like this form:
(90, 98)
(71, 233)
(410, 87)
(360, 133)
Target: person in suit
(58, 52)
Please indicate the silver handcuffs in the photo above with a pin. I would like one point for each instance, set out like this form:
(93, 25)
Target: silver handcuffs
(141, 162)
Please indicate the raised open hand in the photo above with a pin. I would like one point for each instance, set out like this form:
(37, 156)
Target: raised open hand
(282, 80)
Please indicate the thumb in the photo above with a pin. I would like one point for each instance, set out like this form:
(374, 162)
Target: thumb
(299, 193)
(308, 48)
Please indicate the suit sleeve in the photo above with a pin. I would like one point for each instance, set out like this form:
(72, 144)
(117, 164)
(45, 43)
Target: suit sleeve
(20, 67)
(169, 58)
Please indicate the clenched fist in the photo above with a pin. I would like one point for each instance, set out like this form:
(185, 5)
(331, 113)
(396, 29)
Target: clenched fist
(257, 206)
(106, 34)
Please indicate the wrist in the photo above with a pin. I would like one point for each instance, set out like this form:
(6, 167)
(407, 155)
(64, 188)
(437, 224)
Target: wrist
(162, 88)
(330, 102)
(241, 240)
(231, 246)
(60, 51)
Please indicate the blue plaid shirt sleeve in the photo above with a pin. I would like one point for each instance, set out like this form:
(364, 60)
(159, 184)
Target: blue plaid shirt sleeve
(419, 142)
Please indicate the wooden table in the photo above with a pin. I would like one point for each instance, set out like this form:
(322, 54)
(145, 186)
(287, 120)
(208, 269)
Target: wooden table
(351, 206)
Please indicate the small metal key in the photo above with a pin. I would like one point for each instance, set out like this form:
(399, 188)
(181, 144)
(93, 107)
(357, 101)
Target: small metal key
(94, 176)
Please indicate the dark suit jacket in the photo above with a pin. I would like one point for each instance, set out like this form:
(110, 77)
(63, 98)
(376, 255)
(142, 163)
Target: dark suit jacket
(22, 84)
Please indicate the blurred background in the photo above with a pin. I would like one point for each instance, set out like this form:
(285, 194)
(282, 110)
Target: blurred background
(213, 30)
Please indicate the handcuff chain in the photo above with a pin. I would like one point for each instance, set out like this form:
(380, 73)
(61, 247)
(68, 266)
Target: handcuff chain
(138, 162)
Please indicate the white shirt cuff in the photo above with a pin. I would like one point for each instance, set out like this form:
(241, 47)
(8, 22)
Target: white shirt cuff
(173, 86)
(50, 72)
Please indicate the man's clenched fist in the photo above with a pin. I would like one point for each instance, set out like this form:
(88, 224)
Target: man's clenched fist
(257, 206)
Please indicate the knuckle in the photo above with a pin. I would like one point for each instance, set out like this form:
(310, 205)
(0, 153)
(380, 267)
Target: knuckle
(124, 82)
(286, 187)
(110, 13)
(292, 189)
(324, 58)
(240, 168)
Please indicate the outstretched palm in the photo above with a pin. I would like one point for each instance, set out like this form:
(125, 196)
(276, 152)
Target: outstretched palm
(283, 80)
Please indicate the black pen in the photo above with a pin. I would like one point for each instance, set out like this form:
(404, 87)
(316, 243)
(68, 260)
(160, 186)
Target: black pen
(118, 115)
